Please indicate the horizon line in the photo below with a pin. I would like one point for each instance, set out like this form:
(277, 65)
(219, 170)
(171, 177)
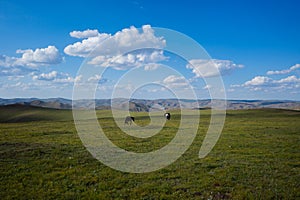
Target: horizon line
(70, 99)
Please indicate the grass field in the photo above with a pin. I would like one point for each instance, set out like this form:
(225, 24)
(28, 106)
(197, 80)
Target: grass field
(256, 157)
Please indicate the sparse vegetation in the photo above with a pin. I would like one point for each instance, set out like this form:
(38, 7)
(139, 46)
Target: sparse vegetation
(257, 157)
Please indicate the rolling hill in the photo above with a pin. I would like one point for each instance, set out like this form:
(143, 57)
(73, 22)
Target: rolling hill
(25, 113)
(143, 105)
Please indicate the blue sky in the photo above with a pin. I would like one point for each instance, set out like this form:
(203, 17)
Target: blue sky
(254, 44)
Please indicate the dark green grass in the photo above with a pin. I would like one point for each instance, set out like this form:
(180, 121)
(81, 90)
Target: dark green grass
(257, 157)
(23, 113)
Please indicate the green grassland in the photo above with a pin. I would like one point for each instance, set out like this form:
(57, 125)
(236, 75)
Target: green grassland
(256, 157)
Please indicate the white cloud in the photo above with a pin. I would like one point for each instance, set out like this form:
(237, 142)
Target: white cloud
(130, 60)
(24, 86)
(285, 71)
(56, 77)
(14, 71)
(96, 77)
(84, 34)
(258, 80)
(268, 84)
(86, 46)
(38, 57)
(175, 81)
(213, 67)
(207, 87)
(152, 66)
(289, 79)
(289, 84)
(46, 77)
(5, 67)
(6, 61)
(68, 79)
(104, 44)
(15, 78)
(30, 59)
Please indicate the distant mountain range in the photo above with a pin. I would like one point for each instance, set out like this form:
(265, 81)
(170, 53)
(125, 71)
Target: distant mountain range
(150, 105)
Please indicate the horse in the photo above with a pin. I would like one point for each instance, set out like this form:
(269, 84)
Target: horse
(129, 120)
(168, 116)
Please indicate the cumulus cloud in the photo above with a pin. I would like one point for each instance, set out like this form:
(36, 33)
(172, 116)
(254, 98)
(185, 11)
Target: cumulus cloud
(84, 34)
(136, 59)
(289, 79)
(32, 58)
(175, 81)
(104, 44)
(86, 46)
(268, 84)
(9, 68)
(57, 77)
(258, 81)
(46, 76)
(285, 71)
(263, 82)
(14, 71)
(97, 78)
(40, 56)
(6, 61)
(213, 67)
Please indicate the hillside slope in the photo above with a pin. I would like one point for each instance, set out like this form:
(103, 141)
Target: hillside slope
(24, 113)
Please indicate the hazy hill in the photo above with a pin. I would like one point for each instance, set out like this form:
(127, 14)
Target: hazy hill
(149, 105)
(50, 104)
